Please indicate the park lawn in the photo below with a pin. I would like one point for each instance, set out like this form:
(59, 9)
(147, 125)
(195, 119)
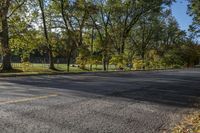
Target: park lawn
(37, 67)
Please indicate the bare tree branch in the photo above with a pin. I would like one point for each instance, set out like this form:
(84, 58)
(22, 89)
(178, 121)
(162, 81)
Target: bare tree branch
(14, 10)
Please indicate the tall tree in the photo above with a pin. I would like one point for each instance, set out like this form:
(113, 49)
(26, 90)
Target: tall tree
(142, 35)
(42, 4)
(126, 14)
(7, 9)
(101, 20)
(6, 62)
(194, 11)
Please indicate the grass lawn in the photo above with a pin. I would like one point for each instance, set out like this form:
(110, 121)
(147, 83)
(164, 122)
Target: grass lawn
(37, 68)
(62, 67)
(29, 69)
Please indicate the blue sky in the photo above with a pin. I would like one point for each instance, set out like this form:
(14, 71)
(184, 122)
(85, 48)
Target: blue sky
(179, 11)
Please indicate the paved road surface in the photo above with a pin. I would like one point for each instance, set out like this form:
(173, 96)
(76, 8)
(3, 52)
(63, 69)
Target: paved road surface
(131, 102)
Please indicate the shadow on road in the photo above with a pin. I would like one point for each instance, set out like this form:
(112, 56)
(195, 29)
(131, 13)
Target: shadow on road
(169, 88)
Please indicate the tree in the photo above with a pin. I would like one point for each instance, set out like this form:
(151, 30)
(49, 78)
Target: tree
(92, 31)
(42, 4)
(142, 35)
(126, 14)
(6, 63)
(7, 9)
(101, 20)
(193, 10)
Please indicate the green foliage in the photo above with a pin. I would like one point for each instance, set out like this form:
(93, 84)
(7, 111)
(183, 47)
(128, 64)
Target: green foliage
(95, 59)
(123, 33)
(194, 11)
(118, 61)
(173, 57)
(25, 65)
(138, 64)
(83, 57)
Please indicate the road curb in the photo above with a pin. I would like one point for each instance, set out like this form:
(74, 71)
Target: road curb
(74, 73)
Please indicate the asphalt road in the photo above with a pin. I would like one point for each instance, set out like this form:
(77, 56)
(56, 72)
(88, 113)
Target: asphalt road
(121, 102)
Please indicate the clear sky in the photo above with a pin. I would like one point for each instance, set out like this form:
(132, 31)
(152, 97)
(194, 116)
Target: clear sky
(179, 11)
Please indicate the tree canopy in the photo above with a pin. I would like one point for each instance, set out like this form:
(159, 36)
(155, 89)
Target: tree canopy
(139, 34)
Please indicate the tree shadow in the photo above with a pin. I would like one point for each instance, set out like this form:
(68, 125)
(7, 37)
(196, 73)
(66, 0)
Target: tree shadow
(172, 89)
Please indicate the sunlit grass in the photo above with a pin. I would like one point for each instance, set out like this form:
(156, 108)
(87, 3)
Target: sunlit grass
(33, 67)
(37, 67)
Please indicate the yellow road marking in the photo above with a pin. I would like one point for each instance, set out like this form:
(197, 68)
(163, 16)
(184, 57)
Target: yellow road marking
(28, 99)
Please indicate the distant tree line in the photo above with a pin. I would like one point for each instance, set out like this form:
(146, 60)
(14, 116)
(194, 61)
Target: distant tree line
(138, 34)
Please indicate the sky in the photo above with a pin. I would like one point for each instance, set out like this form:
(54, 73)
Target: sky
(179, 11)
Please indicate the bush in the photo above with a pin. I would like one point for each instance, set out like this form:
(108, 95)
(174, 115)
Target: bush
(117, 61)
(177, 66)
(83, 57)
(138, 64)
(25, 65)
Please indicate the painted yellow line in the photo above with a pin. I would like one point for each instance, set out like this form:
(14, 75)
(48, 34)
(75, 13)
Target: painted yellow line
(27, 99)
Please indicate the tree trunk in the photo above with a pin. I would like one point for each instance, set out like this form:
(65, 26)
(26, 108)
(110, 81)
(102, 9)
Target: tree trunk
(107, 65)
(6, 62)
(104, 63)
(68, 60)
(188, 63)
(143, 61)
(91, 48)
(123, 46)
(91, 67)
(51, 61)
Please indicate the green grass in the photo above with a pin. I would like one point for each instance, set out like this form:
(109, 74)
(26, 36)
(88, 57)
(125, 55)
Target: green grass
(34, 67)
(21, 69)
(37, 67)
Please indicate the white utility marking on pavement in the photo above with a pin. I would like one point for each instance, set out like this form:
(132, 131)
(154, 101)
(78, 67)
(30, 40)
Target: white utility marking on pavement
(28, 99)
